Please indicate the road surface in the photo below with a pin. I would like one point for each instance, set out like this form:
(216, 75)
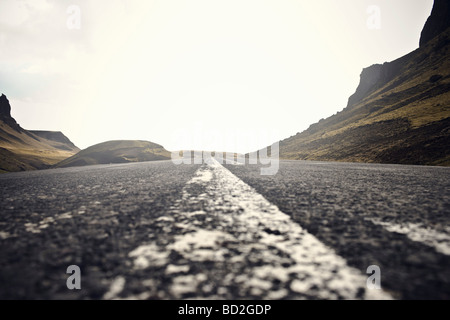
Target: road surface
(155, 230)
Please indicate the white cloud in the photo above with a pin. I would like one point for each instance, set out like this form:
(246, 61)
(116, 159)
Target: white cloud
(14, 13)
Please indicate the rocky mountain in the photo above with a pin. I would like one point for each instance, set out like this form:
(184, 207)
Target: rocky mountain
(118, 151)
(5, 114)
(437, 23)
(400, 112)
(22, 149)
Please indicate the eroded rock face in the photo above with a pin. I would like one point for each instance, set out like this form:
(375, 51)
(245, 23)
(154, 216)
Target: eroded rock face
(5, 108)
(438, 21)
(375, 77)
(368, 80)
(5, 114)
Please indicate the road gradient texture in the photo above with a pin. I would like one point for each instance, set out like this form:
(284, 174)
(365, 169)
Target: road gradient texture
(156, 230)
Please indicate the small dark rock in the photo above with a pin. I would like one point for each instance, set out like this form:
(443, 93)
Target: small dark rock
(435, 78)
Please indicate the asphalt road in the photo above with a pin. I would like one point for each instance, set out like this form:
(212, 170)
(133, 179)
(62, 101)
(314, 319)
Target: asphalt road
(156, 230)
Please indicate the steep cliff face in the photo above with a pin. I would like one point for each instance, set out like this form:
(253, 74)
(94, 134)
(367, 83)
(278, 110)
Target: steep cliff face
(5, 114)
(438, 21)
(398, 114)
(375, 77)
(5, 108)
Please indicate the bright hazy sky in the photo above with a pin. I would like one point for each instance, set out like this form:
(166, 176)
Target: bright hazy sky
(232, 75)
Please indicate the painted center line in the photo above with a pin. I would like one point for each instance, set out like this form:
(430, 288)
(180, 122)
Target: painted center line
(230, 242)
(417, 232)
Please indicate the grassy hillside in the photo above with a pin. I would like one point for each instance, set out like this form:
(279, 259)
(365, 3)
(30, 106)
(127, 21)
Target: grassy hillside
(22, 150)
(400, 113)
(119, 151)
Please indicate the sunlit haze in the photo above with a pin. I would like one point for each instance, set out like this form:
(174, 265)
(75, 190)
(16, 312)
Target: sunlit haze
(213, 75)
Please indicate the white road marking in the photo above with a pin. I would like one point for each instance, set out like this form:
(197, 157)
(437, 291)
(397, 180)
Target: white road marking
(50, 220)
(171, 269)
(5, 235)
(416, 232)
(248, 241)
(115, 289)
(149, 255)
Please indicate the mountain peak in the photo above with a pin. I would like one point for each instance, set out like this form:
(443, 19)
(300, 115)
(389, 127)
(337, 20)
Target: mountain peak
(438, 22)
(5, 107)
(5, 114)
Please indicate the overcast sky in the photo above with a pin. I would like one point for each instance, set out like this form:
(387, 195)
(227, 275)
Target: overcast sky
(219, 75)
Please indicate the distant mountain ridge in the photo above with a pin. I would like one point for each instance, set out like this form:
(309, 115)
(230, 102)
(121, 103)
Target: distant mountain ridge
(400, 112)
(117, 151)
(21, 149)
(56, 136)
